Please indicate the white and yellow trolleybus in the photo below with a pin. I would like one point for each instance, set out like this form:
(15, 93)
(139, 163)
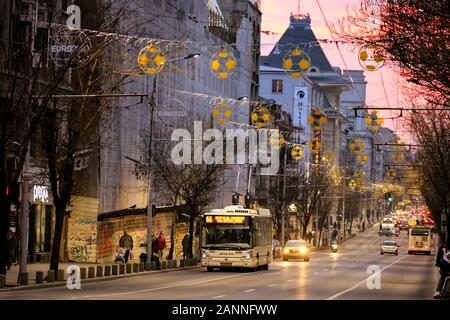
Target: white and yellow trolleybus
(237, 237)
(419, 240)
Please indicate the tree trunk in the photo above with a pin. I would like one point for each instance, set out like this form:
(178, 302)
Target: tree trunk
(191, 232)
(56, 246)
(4, 227)
(172, 236)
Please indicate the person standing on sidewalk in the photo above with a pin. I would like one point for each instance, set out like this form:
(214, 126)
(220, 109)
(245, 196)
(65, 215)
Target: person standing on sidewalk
(161, 245)
(12, 249)
(185, 244)
(126, 242)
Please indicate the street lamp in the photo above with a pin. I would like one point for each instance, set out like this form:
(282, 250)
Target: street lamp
(152, 105)
(189, 56)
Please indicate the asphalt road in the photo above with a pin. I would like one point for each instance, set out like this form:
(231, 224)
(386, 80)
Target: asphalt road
(342, 275)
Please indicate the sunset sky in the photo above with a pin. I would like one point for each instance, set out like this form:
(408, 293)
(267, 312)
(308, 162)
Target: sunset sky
(276, 19)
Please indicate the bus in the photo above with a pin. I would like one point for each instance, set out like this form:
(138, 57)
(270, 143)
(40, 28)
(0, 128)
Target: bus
(419, 240)
(237, 237)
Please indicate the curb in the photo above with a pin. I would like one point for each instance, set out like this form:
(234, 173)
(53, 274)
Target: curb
(100, 279)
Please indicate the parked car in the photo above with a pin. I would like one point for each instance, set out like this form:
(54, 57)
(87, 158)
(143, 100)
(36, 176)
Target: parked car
(276, 248)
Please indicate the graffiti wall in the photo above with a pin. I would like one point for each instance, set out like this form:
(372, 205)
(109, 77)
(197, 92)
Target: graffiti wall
(82, 230)
(111, 230)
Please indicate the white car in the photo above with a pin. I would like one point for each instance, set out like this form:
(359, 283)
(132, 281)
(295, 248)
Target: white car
(389, 247)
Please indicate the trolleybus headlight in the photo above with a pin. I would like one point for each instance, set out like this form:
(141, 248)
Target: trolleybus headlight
(286, 250)
(303, 250)
(247, 255)
(205, 254)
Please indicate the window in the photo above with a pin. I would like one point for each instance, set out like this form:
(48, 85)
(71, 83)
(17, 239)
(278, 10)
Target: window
(277, 86)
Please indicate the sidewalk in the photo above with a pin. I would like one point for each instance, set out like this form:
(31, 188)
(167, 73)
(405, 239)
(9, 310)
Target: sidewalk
(12, 275)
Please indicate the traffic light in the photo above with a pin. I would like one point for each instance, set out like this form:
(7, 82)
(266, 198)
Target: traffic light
(389, 198)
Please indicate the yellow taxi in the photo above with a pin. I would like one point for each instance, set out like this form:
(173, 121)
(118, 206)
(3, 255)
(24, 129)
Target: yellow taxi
(295, 249)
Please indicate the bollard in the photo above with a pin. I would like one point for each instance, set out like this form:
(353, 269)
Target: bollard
(148, 266)
(121, 269)
(182, 263)
(51, 276)
(99, 271)
(135, 267)
(83, 274)
(175, 264)
(153, 265)
(129, 268)
(2, 281)
(39, 277)
(107, 271)
(163, 265)
(141, 267)
(24, 278)
(91, 272)
(60, 275)
(115, 270)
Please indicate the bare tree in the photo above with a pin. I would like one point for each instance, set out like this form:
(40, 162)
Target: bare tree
(431, 129)
(411, 34)
(192, 185)
(72, 125)
(26, 90)
(316, 183)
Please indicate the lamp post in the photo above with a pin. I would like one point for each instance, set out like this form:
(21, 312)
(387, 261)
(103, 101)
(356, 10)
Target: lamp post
(152, 105)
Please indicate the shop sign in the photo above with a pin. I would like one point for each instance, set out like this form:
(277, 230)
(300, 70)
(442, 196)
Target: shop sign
(40, 193)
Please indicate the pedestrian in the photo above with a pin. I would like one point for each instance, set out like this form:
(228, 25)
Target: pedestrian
(443, 263)
(12, 249)
(310, 236)
(363, 226)
(161, 245)
(126, 242)
(185, 244)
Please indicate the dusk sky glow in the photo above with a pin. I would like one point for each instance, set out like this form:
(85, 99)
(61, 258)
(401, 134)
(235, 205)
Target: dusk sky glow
(275, 18)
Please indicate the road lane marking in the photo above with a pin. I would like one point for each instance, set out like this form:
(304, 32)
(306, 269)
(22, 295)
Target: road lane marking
(316, 272)
(174, 286)
(272, 285)
(361, 282)
(290, 280)
(221, 296)
(325, 270)
(249, 290)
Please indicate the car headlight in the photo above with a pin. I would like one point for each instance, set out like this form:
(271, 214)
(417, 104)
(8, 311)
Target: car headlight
(303, 250)
(205, 254)
(247, 255)
(286, 250)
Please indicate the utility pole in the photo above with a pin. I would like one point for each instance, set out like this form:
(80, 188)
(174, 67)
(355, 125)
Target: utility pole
(152, 104)
(343, 207)
(26, 176)
(283, 206)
